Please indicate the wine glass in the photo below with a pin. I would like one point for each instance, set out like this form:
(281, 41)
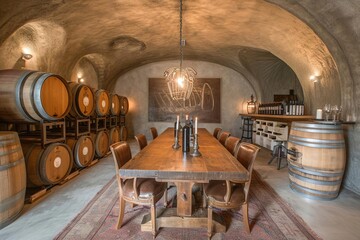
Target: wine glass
(338, 112)
(327, 111)
(334, 111)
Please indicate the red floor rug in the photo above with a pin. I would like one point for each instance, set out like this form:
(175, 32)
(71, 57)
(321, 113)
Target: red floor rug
(270, 218)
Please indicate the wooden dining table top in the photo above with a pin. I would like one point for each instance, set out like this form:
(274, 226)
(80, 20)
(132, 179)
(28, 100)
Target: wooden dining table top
(160, 161)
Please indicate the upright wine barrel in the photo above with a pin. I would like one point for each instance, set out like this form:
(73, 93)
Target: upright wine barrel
(102, 102)
(114, 135)
(30, 96)
(49, 165)
(82, 100)
(115, 104)
(101, 142)
(124, 105)
(318, 168)
(123, 133)
(83, 150)
(13, 178)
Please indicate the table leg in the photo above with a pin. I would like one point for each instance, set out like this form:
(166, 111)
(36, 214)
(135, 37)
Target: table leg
(184, 198)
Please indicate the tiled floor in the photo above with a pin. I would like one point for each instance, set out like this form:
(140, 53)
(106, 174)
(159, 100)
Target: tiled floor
(44, 219)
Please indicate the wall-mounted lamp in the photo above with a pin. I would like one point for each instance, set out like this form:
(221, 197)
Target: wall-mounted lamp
(251, 107)
(26, 56)
(315, 78)
(80, 80)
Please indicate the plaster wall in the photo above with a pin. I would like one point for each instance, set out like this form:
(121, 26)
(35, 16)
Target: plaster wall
(235, 92)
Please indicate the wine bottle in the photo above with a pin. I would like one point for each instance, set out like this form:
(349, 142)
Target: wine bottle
(186, 138)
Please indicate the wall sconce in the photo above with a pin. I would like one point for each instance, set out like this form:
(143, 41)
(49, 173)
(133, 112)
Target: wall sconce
(251, 107)
(80, 80)
(315, 78)
(26, 56)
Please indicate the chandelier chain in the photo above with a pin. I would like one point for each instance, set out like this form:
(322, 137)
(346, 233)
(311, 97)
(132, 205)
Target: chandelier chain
(181, 46)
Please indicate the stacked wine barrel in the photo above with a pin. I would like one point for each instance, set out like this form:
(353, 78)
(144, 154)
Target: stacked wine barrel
(32, 99)
(28, 100)
(78, 138)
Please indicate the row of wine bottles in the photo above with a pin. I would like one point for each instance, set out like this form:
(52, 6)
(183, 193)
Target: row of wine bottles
(293, 107)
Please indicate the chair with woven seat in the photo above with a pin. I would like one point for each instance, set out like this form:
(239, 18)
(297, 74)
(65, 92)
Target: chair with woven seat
(216, 132)
(140, 191)
(232, 194)
(141, 140)
(231, 144)
(223, 136)
(154, 132)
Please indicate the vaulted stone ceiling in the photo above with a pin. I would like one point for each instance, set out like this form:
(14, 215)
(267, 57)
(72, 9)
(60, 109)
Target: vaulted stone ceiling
(118, 35)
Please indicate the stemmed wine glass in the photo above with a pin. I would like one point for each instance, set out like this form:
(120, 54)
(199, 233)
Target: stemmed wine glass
(336, 112)
(327, 111)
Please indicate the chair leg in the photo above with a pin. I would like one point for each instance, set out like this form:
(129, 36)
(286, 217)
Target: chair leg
(204, 203)
(121, 212)
(153, 218)
(165, 198)
(245, 211)
(209, 231)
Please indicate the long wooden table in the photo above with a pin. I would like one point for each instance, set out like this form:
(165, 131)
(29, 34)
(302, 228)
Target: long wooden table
(160, 161)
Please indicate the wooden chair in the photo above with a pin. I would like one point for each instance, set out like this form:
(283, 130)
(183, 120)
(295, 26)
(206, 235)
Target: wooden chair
(223, 136)
(140, 191)
(231, 144)
(141, 140)
(154, 132)
(232, 194)
(216, 132)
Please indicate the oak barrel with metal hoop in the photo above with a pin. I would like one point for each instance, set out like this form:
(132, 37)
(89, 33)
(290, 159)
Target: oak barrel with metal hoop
(13, 178)
(115, 104)
(31, 96)
(83, 150)
(48, 165)
(318, 167)
(82, 100)
(124, 105)
(123, 133)
(101, 142)
(114, 135)
(102, 102)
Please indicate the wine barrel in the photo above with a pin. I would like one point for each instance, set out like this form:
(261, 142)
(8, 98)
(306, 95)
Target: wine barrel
(47, 166)
(83, 150)
(123, 133)
(13, 178)
(124, 105)
(114, 135)
(318, 167)
(102, 103)
(82, 100)
(115, 104)
(101, 142)
(30, 96)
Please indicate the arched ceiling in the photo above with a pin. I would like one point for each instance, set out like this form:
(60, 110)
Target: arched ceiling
(128, 34)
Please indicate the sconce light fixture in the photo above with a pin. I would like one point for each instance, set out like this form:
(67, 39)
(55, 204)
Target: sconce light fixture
(251, 107)
(80, 80)
(315, 78)
(26, 56)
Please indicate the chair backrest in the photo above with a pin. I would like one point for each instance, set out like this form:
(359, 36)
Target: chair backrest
(223, 136)
(154, 132)
(246, 154)
(231, 143)
(121, 153)
(141, 140)
(216, 132)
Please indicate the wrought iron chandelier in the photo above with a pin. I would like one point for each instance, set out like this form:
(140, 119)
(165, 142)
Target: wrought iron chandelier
(180, 80)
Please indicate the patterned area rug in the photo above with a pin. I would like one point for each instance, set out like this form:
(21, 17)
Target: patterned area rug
(270, 218)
